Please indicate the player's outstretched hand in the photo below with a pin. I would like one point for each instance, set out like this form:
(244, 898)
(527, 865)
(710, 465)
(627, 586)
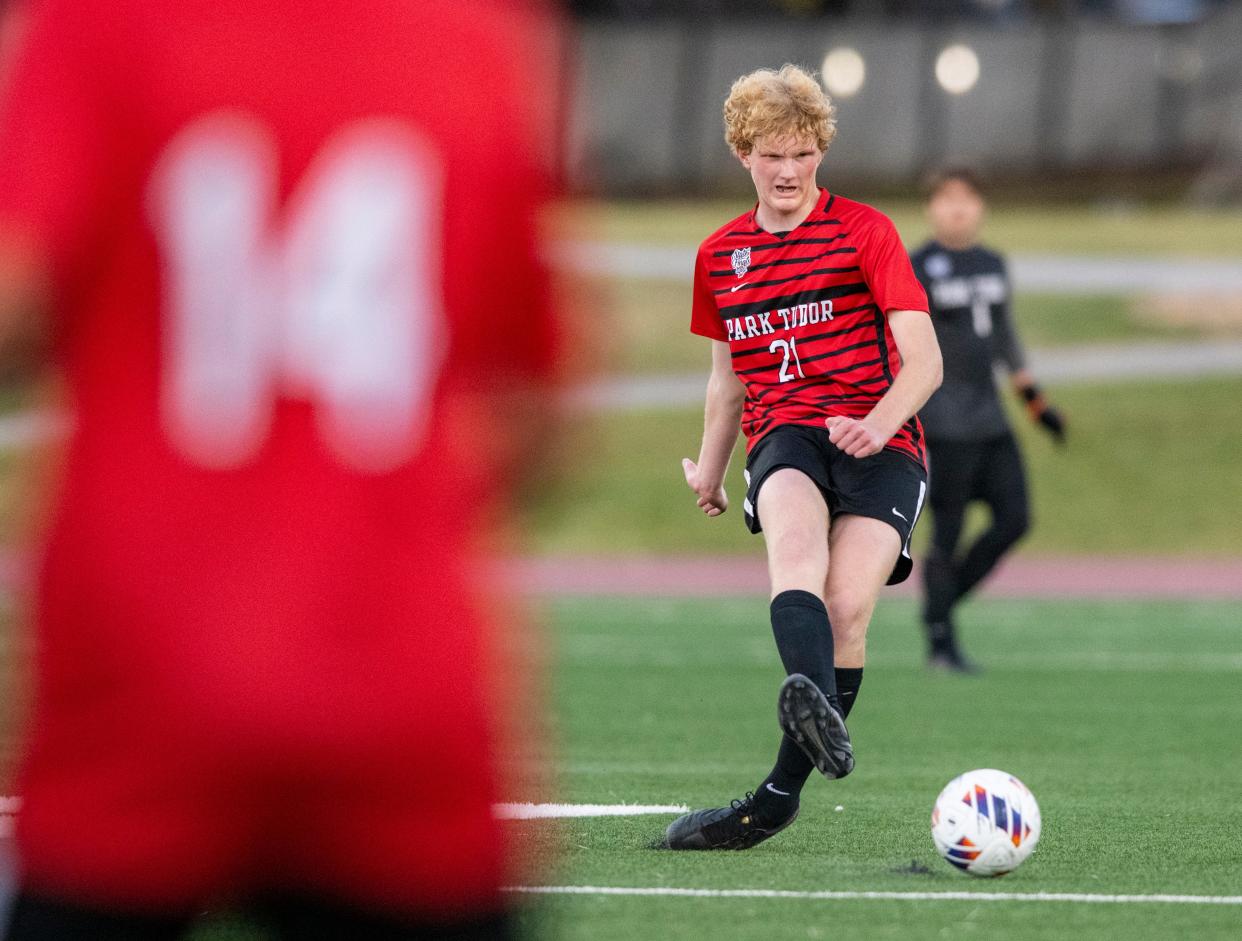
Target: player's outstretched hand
(1040, 411)
(855, 437)
(1053, 422)
(712, 501)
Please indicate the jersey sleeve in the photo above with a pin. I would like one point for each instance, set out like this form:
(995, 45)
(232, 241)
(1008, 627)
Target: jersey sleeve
(887, 270)
(704, 314)
(918, 261)
(58, 143)
(1005, 333)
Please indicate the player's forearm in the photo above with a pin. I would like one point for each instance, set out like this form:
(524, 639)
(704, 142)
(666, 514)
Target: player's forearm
(920, 376)
(921, 371)
(1037, 406)
(722, 417)
(1021, 379)
(908, 393)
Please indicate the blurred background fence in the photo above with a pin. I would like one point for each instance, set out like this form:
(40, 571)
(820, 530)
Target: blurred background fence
(1022, 90)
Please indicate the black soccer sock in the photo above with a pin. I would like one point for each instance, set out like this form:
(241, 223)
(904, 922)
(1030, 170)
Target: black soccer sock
(849, 679)
(940, 590)
(804, 640)
(777, 797)
(940, 637)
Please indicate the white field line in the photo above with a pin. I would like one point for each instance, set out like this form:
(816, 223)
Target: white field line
(1074, 897)
(9, 806)
(548, 811)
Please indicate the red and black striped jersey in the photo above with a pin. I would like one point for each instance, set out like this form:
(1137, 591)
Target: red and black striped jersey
(804, 313)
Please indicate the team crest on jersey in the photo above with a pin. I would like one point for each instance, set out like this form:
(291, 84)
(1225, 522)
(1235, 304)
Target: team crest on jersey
(741, 260)
(939, 266)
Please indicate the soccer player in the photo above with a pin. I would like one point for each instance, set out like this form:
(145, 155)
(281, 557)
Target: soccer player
(823, 351)
(289, 255)
(971, 449)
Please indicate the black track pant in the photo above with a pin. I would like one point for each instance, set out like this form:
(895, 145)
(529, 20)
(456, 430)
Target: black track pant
(961, 472)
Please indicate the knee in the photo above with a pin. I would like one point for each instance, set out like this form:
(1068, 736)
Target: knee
(798, 543)
(1013, 525)
(798, 557)
(936, 558)
(849, 614)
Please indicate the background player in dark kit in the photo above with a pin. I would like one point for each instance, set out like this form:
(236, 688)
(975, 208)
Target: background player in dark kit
(822, 351)
(971, 450)
(271, 237)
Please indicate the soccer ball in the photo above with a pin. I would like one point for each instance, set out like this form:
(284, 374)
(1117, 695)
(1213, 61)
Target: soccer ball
(985, 822)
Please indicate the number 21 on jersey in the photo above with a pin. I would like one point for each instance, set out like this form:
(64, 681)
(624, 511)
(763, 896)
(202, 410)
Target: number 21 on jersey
(789, 348)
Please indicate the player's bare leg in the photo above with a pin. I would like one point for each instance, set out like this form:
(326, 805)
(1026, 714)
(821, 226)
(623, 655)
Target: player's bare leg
(795, 531)
(863, 553)
(795, 525)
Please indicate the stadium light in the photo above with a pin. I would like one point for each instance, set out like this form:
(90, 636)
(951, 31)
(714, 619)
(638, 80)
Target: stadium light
(957, 69)
(844, 72)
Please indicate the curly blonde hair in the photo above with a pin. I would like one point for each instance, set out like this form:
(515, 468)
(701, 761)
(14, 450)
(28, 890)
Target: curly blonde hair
(772, 104)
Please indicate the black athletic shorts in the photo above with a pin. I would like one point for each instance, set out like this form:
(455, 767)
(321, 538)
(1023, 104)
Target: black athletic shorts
(888, 486)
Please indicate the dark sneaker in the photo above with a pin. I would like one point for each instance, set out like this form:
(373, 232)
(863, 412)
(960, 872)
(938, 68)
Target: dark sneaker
(809, 719)
(736, 827)
(951, 661)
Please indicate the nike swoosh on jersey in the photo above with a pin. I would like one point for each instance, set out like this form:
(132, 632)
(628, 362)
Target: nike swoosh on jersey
(736, 286)
(897, 512)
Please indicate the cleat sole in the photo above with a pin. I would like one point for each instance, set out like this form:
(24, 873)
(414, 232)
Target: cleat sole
(806, 716)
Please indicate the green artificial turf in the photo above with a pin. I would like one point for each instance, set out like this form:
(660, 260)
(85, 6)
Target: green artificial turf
(1150, 468)
(1122, 717)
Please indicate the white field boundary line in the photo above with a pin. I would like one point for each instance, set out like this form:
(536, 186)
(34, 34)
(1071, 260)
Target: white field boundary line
(518, 811)
(1072, 897)
(552, 811)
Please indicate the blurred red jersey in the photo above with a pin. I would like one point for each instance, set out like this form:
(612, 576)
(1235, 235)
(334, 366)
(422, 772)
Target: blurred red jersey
(293, 248)
(805, 315)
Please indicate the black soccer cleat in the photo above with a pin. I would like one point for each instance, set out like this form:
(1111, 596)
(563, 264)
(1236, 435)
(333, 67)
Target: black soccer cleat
(951, 660)
(736, 827)
(943, 652)
(810, 720)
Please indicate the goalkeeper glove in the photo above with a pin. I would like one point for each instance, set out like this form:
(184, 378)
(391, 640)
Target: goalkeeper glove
(1043, 413)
